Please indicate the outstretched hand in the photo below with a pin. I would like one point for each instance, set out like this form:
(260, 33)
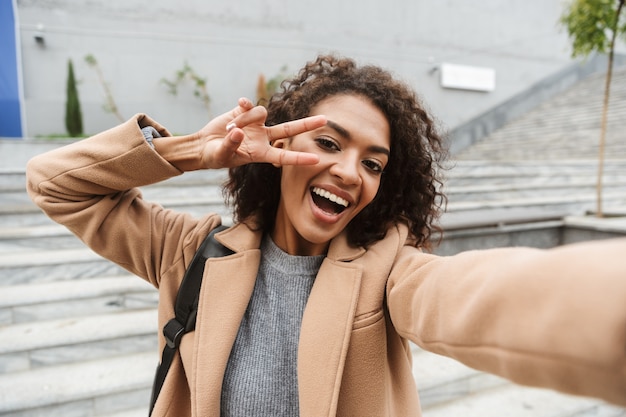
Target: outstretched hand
(240, 137)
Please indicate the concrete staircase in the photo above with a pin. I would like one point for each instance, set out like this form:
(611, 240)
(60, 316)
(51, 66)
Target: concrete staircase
(78, 334)
(567, 126)
(565, 185)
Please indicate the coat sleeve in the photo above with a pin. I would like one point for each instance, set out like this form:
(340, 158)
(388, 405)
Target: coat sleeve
(548, 318)
(91, 188)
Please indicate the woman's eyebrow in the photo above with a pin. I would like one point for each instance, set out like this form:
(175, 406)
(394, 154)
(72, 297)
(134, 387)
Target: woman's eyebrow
(346, 134)
(339, 129)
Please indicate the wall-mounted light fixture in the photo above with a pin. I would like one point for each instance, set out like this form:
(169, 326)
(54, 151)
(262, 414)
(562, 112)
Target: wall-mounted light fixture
(40, 39)
(433, 67)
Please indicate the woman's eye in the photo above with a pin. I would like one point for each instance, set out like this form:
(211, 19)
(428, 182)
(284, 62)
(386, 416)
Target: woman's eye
(328, 144)
(373, 166)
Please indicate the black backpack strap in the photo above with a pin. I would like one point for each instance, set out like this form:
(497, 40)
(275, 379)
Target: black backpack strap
(186, 307)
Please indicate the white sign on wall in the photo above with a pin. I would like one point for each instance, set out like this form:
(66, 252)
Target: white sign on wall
(466, 77)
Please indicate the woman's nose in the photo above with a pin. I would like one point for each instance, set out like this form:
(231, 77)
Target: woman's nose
(348, 170)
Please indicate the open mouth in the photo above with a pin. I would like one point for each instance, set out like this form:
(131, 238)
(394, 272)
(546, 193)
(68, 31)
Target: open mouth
(327, 201)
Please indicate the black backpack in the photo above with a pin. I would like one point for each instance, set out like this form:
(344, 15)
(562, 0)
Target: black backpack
(186, 307)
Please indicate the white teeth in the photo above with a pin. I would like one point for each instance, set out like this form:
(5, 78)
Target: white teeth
(330, 196)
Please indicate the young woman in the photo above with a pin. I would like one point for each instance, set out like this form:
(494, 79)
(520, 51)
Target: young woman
(334, 190)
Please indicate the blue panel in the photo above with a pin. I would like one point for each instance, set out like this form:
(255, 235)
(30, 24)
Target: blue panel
(10, 116)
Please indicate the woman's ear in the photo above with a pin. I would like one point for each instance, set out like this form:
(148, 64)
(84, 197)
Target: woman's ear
(280, 144)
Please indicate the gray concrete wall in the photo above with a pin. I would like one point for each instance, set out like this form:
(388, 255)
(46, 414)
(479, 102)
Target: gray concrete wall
(542, 234)
(139, 42)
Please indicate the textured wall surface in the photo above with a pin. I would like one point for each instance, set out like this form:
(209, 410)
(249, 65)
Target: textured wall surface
(139, 42)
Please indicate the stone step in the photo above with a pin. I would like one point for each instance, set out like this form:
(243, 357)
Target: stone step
(440, 379)
(76, 298)
(137, 412)
(76, 339)
(581, 115)
(449, 388)
(39, 266)
(14, 179)
(539, 190)
(556, 148)
(519, 401)
(477, 169)
(517, 150)
(565, 120)
(537, 133)
(16, 208)
(92, 388)
(14, 154)
(530, 189)
(16, 201)
(553, 150)
(514, 177)
(45, 236)
(577, 203)
(541, 184)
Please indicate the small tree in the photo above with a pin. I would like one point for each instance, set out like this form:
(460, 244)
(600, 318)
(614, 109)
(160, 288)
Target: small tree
(73, 114)
(593, 25)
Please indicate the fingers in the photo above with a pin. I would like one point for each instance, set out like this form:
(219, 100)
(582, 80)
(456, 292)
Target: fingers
(253, 115)
(283, 157)
(243, 105)
(223, 154)
(233, 139)
(248, 140)
(295, 127)
(258, 114)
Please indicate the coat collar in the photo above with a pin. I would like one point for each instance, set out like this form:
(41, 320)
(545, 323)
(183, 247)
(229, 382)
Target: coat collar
(242, 237)
(326, 324)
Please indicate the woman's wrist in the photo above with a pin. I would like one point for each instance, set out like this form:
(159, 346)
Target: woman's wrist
(181, 151)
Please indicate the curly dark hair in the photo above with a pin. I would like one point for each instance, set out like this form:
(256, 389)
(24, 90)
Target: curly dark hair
(409, 187)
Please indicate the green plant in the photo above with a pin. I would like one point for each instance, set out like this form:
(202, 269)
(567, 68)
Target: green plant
(266, 89)
(593, 25)
(109, 106)
(73, 114)
(199, 84)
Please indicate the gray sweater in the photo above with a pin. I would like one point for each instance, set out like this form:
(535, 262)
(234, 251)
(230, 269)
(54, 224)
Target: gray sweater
(261, 375)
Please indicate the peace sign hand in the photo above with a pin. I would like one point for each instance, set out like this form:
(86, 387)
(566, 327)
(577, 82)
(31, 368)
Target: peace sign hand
(240, 137)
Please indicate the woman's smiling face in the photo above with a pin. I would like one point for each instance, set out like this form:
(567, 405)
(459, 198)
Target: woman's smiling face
(318, 201)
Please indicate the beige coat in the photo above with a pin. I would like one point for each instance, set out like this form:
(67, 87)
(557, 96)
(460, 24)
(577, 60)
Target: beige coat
(551, 318)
